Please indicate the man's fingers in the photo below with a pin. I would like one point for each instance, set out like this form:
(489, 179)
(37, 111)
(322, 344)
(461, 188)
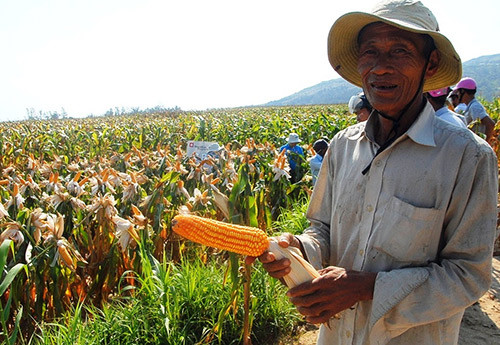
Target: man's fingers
(277, 268)
(249, 260)
(304, 289)
(322, 318)
(285, 240)
(264, 258)
(308, 294)
(267, 257)
(318, 313)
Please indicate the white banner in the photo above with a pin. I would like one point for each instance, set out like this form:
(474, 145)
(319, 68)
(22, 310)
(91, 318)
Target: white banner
(201, 148)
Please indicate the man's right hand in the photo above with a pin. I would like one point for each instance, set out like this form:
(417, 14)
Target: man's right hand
(277, 268)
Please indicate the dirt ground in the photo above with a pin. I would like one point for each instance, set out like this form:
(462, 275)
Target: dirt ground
(480, 324)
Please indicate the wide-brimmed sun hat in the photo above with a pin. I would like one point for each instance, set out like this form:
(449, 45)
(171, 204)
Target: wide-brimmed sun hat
(293, 138)
(408, 15)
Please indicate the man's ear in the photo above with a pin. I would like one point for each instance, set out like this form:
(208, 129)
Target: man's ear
(433, 65)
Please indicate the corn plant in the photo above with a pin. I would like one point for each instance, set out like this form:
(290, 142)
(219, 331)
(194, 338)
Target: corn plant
(10, 326)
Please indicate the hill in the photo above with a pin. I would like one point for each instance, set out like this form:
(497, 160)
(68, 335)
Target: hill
(485, 70)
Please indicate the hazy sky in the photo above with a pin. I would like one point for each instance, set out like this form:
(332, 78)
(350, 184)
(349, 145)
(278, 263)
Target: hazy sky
(87, 56)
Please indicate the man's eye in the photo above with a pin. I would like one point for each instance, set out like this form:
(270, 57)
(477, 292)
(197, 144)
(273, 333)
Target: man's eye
(368, 52)
(399, 51)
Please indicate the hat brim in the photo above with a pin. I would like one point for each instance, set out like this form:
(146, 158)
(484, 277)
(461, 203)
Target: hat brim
(343, 49)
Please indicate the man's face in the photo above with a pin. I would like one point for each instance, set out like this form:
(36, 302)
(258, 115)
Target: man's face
(391, 63)
(454, 97)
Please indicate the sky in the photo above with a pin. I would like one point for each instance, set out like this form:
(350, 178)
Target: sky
(87, 56)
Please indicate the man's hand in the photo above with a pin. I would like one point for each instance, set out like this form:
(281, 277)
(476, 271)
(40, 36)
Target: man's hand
(277, 268)
(333, 292)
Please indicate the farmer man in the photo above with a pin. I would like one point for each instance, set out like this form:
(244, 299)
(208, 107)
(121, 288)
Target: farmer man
(458, 107)
(320, 146)
(403, 214)
(466, 90)
(293, 152)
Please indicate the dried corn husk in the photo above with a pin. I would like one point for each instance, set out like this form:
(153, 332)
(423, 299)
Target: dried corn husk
(302, 271)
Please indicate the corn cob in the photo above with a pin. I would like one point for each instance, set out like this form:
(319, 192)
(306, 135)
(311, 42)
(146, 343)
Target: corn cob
(301, 270)
(231, 237)
(65, 255)
(243, 240)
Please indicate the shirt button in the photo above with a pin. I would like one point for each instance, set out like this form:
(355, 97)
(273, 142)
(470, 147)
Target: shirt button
(361, 252)
(348, 334)
(378, 163)
(369, 208)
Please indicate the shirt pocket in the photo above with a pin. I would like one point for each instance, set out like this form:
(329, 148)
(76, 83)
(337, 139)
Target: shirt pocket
(408, 233)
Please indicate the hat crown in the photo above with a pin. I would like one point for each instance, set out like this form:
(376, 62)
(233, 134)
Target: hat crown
(466, 83)
(356, 103)
(293, 138)
(412, 13)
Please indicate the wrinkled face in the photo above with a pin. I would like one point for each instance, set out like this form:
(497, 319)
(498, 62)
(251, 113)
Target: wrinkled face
(391, 63)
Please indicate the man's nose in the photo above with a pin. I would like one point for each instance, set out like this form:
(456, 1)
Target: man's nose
(382, 63)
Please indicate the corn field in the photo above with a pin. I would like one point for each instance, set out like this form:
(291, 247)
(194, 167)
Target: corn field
(81, 198)
(79, 195)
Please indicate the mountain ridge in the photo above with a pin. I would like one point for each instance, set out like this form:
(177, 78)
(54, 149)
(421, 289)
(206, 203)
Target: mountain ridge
(484, 69)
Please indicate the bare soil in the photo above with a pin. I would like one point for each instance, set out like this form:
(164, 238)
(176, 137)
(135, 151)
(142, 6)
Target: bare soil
(480, 324)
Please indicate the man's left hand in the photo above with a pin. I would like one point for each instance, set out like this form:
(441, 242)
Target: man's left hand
(336, 290)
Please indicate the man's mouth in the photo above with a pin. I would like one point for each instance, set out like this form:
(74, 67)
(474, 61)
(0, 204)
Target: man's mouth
(383, 86)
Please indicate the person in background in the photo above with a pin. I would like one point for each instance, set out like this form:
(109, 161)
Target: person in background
(458, 107)
(403, 214)
(293, 153)
(320, 147)
(466, 91)
(437, 98)
(359, 105)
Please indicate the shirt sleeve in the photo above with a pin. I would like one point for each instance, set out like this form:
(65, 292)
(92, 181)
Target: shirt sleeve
(477, 111)
(408, 297)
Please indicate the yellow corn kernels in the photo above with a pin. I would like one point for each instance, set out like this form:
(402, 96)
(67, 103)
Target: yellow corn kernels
(239, 239)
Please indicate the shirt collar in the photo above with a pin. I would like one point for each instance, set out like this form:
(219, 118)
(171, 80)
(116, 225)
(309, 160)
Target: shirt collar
(441, 111)
(421, 131)
(356, 131)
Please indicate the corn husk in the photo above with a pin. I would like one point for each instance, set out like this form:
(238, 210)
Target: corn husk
(302, 271)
